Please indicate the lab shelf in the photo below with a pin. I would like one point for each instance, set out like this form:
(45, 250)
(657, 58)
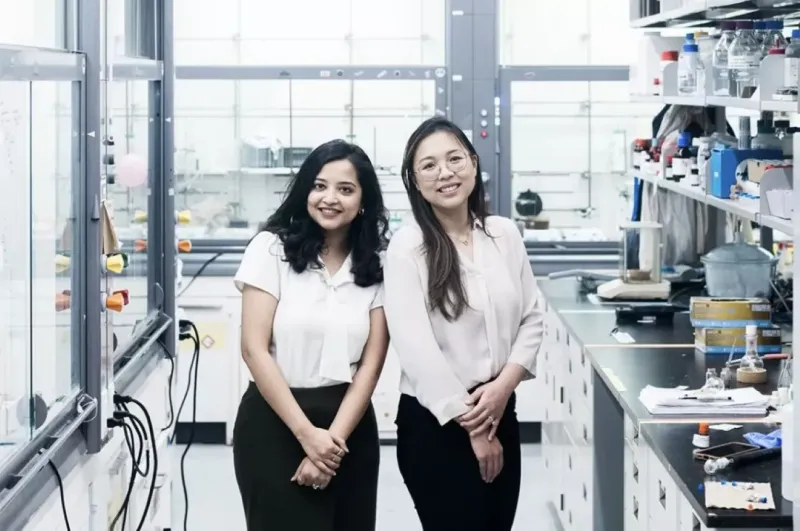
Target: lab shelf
(770, 79)
(747, 209)
(698, 13)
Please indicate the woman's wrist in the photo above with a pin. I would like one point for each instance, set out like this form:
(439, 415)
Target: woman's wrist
(510, 377)
(302, 430)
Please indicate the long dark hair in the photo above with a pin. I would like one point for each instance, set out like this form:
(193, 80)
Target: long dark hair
(446, 292)
(303, 239)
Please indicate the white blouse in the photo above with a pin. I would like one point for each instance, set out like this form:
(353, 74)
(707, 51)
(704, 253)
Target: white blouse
(441, 360)
(322, 321)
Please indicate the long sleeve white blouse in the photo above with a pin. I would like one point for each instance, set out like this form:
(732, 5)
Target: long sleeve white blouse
(441, 360)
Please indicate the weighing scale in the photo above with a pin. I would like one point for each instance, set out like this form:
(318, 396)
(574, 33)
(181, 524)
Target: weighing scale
(646, 282)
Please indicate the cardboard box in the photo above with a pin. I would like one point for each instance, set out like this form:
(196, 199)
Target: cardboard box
(709, 312)
(723, 340)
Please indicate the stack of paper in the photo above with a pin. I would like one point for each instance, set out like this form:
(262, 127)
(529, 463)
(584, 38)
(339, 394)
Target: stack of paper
(733, 402)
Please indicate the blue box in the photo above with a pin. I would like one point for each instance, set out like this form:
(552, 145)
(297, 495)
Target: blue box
(724, 162)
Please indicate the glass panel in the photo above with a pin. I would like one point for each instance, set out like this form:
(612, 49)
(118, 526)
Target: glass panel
(576, 153)
(15, 267)
(55, 366)
(340, 32)
(127, 159)
(584, 32)
(544, 33)
(232, 167)
(33, 22)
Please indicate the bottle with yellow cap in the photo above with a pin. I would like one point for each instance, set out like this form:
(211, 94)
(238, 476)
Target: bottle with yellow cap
(114, 263)
(62, 263)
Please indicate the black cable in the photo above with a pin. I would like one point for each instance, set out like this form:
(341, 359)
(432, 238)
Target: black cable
(171, 360)
(192, 365)
(198, 273)
(152, 488)
(195, 364)
(61, 493)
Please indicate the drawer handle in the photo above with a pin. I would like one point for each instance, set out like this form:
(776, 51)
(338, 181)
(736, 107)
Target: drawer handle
(567, 339)
(585, 389)
(546, 463)
(569, 461)
(585, 434)
(662, 494)
(562, 394)
(585, 492)
(569, 366)
(636, 472)
(569, 513)
(583, 359)
(562, 502)
(635, 508)
(558, 334)
(569, 407)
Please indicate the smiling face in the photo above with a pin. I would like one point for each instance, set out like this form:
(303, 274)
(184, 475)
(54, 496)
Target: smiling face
(444, 171)
(335, 197)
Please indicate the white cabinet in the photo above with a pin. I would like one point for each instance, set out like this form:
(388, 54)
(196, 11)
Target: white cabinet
(568, 426)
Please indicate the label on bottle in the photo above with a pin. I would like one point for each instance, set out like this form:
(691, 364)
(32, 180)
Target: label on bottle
(791, 69)
(681, 167)
(744, 62)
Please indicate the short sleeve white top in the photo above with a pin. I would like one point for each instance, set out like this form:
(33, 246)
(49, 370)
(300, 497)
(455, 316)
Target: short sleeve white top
(441, 360)
(321, 322)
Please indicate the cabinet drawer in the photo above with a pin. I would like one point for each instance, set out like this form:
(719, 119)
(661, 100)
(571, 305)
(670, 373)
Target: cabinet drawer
(634, 514)
(633, 437)
(688, 521)
(662, 495)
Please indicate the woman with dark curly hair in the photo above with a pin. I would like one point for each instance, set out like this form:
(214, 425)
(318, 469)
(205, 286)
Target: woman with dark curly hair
(314, 336)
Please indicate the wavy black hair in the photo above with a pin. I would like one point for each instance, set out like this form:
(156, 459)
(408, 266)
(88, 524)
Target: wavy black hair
(446, 291)
(303, 239)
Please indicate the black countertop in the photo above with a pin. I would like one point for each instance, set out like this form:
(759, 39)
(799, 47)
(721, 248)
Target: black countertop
(627, 368)
(626, 371)
(595, 329)
(672, 444)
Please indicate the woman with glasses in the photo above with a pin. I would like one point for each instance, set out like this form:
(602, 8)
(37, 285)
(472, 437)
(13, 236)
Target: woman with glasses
(464, 318)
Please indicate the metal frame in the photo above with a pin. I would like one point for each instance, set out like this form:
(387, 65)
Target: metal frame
(437, 74)
(507, 76)
(471, 41)
(78, 420)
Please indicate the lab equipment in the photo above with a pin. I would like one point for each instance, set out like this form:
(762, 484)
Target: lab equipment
(791, 65)
(714, 383)
(715, 312)
(701, 439)
(644, 283)
(739, 270)
(690, 70)
(712, 466)
(682, 160)
(728, 450)
(721, 73)
(751, 367)
(744, 56)
(785, 382)
(773, 37)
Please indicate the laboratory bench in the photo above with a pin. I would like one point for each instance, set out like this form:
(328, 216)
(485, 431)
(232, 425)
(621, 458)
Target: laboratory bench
(606, 475)
(671, 443)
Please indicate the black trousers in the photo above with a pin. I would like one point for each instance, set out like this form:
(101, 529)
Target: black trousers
(442, 474)
(266, 456)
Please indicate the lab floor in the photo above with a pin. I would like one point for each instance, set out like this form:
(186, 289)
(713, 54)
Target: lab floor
(214, 502)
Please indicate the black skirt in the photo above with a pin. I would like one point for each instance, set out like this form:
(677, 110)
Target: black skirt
(266, 456)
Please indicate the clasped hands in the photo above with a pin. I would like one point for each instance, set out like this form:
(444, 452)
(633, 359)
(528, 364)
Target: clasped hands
(489, 404)
(324, 452)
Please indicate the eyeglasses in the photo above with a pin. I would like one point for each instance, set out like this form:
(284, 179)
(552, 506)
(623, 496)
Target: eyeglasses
(430, 170)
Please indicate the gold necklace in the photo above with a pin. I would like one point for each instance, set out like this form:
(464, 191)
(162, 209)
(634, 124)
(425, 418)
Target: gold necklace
(463, 241)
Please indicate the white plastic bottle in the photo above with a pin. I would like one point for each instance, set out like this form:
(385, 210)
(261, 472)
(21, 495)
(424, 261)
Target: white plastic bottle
(719, 61)
(744, 58)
